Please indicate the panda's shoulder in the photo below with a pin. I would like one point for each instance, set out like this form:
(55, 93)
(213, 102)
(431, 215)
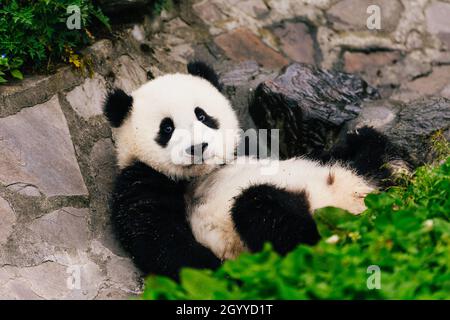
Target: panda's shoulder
(139, 177)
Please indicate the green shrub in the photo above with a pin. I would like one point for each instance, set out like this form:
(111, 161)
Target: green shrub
(405, 232)
(34, 34)
(160, 5)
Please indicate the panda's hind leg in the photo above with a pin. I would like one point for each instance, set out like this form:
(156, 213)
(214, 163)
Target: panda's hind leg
(371, 154)
(265, 213)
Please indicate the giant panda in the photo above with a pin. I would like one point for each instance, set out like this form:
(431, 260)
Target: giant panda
(183, 199)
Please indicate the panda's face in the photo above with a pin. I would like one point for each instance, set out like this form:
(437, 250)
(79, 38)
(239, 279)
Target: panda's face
(180, 125)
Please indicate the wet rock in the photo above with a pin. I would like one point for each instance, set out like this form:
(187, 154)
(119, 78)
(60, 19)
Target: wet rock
(241, 45)
(309, 106)
(239, 83)
(37, 149)
(409, 126)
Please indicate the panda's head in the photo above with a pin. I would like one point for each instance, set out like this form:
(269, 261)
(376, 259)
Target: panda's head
(179, 124)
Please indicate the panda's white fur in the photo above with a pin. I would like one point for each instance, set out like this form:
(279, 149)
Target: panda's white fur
(214, 187)
(332, 185)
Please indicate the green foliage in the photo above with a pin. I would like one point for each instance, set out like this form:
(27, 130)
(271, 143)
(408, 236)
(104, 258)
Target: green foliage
(10, 68)
(405, 231)
(34, 34)
(160, 5)
(440, 146)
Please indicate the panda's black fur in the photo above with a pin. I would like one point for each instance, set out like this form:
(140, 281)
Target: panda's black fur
(149, 211)
(149, 219)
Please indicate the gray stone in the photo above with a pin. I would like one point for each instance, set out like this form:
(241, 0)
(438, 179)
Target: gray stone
(37, 150)
(361, 61)
(252, 8)
(309, 106)
(296, 41)
(352, 14)
(36, 89)
(24, 189)
(128, 74)
(208, 11)
(103, 172)
(103, 162)
(7, 220)
(87, 99)
(63, 228)
(102, 53)
(437, 16)
(16, 289)
(114, 294)
(50, 280)
(241, 45)
(432, 84)
(376, 114)
(119, 270)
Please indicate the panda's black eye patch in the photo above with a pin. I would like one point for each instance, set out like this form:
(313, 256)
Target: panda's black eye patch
(166, 129)
(206, 119)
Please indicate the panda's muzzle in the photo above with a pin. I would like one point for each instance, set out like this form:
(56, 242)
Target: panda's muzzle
(197, 149)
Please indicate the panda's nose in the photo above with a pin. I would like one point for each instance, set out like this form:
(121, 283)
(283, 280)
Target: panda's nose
(197, 149)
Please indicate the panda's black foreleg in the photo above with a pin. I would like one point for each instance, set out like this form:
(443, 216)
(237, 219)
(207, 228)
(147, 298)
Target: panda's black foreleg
(265, 213)
(149, 219)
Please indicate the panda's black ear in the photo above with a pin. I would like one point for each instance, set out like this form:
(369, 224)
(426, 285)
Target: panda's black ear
(117, 107)
(201, 69)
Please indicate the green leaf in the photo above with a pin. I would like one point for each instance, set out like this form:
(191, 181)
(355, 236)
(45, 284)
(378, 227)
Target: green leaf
(200, 284)
(161, 288)
(329, 220)
(17, 74)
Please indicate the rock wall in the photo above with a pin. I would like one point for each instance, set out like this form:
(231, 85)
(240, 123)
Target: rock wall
(56, 152)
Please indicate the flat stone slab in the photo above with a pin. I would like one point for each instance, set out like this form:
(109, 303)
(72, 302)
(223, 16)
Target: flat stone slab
(296, 41)
(64, 228)
(437, 16)
(360, 61)
(241, 45)
(87, 99)
(54, 257)
(351, 15)
(36, 149)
